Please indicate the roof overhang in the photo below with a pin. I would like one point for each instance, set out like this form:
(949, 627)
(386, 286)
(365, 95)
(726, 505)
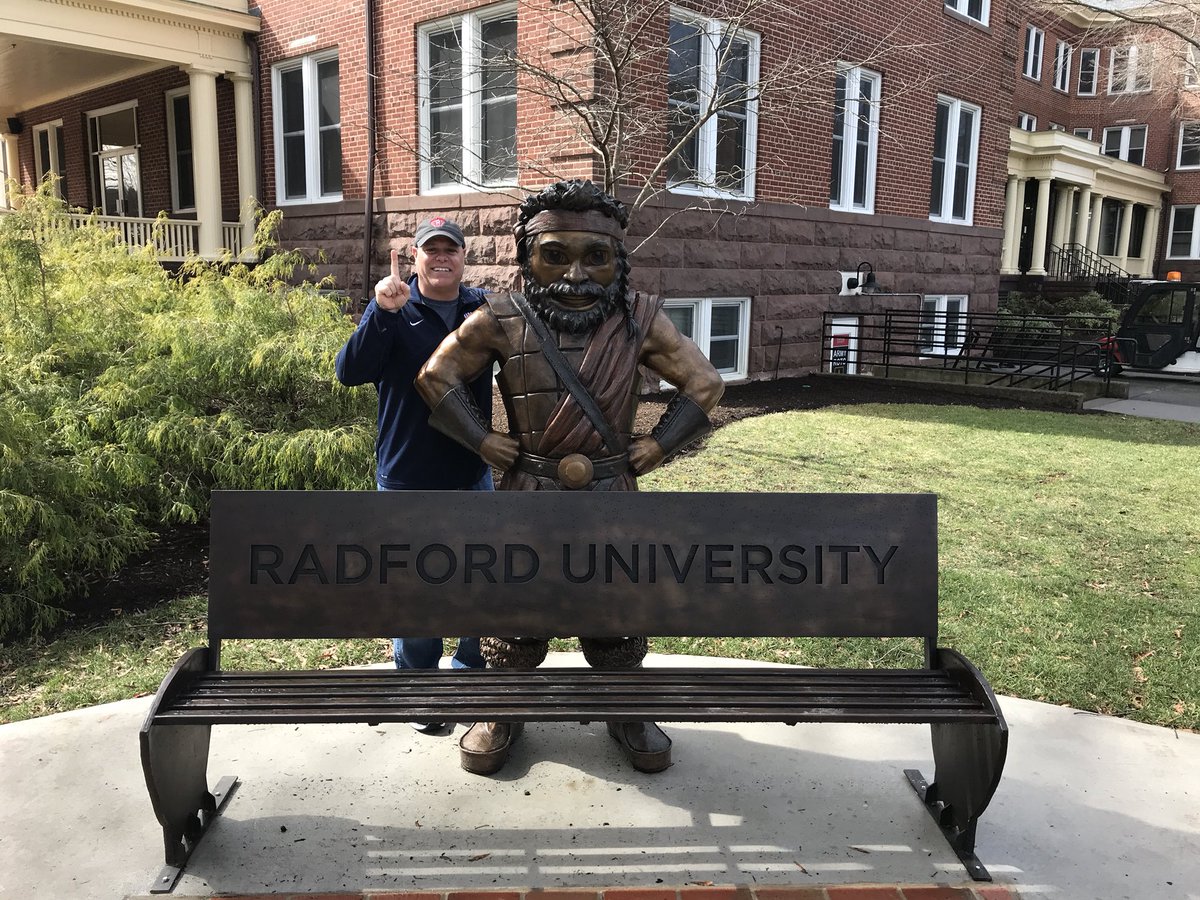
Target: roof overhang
(50, 49)
(1074, 160)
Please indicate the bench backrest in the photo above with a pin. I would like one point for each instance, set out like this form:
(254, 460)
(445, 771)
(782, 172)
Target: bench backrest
(341, 564)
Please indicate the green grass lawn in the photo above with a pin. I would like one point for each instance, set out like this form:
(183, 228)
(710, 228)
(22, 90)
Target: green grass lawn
(1068, 552)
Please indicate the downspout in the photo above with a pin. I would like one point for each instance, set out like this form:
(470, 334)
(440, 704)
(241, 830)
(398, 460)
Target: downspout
(368, 210)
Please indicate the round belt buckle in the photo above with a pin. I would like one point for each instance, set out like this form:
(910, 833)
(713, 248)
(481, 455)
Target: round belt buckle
(575, 471)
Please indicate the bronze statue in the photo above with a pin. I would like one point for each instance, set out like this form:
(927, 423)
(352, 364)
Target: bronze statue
(569, 351)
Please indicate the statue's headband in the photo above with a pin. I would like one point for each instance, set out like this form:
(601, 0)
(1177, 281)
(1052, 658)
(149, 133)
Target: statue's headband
(568, 220)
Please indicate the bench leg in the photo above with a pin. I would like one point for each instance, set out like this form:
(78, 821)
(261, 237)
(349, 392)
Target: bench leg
(175, 763)
(968, 759)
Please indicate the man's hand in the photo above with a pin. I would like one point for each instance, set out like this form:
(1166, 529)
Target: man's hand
(645, 455)
(392, 292)
(499, 450)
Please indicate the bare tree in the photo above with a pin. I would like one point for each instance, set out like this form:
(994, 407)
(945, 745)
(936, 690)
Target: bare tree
(646, 100)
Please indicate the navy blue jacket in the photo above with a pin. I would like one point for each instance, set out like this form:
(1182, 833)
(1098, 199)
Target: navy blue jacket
(387, 350)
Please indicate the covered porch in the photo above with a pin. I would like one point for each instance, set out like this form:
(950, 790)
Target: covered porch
(116, 101)
(1073, 213)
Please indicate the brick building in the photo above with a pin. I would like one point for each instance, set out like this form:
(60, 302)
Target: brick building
(944, 147)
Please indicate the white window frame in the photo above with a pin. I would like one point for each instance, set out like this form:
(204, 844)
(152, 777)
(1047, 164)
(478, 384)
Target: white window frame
(962, 7)
(938, 345)
(312, 141)
(172, 156)
(1085, 133)
(1184, 128)
(1094, 53)
(1035, 43)
(1134, 64)
(1026, 122)
(1126, 132)
(702, 320)
(855, 75)
(1062, 66)
(956, 107)
(1195, 248)
(470, 25)
(52, 130)
(714, 31)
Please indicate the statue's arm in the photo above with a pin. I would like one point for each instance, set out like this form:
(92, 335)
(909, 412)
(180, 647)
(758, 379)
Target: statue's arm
(680, 362)
(462, 357)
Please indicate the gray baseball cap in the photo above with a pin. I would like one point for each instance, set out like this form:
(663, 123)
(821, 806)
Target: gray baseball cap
(436, 226)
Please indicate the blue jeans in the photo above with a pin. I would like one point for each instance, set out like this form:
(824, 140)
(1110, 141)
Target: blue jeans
(424, 653)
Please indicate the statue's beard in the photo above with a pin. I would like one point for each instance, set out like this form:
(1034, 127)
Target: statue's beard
(548, 302)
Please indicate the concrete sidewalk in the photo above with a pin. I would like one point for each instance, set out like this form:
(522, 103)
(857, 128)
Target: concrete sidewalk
(1154, 398)
(1090, 808)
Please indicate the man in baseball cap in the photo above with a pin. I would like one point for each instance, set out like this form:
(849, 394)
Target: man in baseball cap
(438, 226)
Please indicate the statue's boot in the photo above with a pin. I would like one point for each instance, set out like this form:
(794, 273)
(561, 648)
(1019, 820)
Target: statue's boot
(483, 750)
(646, 745)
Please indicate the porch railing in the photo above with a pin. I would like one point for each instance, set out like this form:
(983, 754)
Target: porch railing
(172, 239)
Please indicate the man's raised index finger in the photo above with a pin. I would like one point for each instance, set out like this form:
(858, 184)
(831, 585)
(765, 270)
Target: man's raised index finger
(395, 263)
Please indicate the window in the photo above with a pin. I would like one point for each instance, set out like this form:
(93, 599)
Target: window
(1137, 230)
(1167, 308)
(179, 150)
(469, 100)
(1026, 122)
(1089, 65)
(720, 328)
(1034, 38)
(49, 155)
(976, 10)
(1127, 142)
(1110, 226)
(1191, 67)
(116, 168)
(1054, 126)
(955, 142)
(1184, 240)
(1189, 146)
(711, 67)
(1085, 133)
(1062, 67)
(1129, 69)
(308, 129)
(943, 324)
(855, 140)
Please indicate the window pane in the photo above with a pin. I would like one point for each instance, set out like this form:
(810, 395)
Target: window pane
(963, 161)
(1137, 228)
(1110, 223)
(1189, 146)
(331, 161)
(1183, 224)
(62, 162)
(291, 88)
(731, 152)
(328, 102)
(118, 129)
(1087, 72)
(445, 145)
(445, 67)
(499, 133)
(186, 186)
(735, 69)
(181, 113)
(839, 125)
(43, 159)
(499, 49)
(683, 62)
(683, 164)
(1112, 142)
(683, 318)
(941, 130)
(725, 321)
(723, 354)
(1137, 146)
(295, 182)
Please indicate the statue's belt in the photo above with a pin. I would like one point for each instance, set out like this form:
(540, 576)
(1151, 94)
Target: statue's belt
(574, 470)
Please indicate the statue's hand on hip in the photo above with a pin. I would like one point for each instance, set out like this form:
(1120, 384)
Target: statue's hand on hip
(499, 450)
(645, 455)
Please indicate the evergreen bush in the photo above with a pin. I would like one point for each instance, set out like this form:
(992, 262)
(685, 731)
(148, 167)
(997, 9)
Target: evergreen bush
(127, 395)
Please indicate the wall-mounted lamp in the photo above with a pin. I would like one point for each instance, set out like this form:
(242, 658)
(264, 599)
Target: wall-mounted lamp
(14, 125)
(864, 281)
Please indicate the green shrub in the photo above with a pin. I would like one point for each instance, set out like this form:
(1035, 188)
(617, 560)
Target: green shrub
(127, 395)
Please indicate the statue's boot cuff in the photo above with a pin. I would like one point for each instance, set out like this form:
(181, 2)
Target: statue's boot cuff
(483, 750)
(646, 745)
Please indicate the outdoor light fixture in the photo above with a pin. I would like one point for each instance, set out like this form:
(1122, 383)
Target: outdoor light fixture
(864, 283)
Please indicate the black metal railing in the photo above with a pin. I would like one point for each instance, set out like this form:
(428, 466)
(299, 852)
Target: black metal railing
(1075, 262)
(1045, 352)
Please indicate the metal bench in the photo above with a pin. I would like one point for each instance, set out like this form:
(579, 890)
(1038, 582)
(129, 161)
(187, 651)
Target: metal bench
(362, 564)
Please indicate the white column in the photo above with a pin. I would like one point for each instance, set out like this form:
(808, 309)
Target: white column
(1037, 264)
(13, 160)
(1062, 220)
(1085, 208)
(206, 165)
(1123, 238)
(1093, 237)
(247, 163)
(1014, 194)
(1150, 240)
